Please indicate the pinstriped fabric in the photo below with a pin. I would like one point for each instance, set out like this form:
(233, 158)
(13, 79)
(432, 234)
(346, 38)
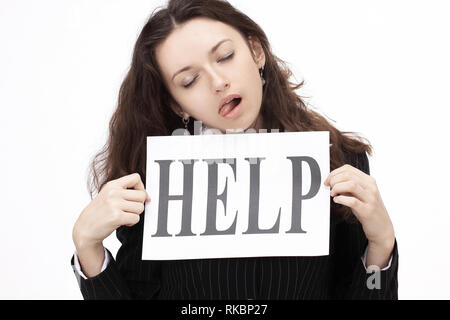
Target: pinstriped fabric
(340, 275)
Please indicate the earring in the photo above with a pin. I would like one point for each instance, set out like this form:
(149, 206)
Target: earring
(262, 78)
(186, 122)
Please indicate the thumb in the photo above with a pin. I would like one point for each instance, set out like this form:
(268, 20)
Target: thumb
(131, 181)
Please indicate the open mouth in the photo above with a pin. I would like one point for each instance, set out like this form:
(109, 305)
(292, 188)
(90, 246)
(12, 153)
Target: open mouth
(228, 108)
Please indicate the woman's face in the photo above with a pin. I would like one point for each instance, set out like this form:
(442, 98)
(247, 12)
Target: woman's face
(203, 62)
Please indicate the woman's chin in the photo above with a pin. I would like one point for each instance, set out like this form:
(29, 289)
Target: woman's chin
(240, 124)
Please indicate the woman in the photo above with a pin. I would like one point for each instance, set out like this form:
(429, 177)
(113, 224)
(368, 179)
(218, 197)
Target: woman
(189, 58)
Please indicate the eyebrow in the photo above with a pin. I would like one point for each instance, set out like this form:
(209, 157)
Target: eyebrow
(210, 52)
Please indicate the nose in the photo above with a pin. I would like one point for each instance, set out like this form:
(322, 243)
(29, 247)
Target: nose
(219, 82)
(222, 86)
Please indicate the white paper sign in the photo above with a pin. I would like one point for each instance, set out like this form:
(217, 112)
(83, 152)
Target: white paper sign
(237, 195)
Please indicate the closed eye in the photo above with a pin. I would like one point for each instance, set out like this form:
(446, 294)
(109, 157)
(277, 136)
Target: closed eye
(227, 57)
(190, 83)
(230, 56)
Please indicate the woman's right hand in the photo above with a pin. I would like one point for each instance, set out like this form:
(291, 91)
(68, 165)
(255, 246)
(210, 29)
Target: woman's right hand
(114, 206)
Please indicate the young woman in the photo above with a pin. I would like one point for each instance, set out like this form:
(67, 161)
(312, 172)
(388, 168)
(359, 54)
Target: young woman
(189, 59)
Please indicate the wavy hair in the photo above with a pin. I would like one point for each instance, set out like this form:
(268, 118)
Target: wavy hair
(143, 107)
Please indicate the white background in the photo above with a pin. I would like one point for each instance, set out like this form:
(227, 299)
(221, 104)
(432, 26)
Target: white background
(380, 68)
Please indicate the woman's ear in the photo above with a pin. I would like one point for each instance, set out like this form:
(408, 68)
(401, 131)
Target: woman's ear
(183, 114)
(258, 52)
(178, 110)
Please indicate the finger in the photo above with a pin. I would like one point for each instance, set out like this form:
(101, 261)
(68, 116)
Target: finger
(348, 175)
(129, 219)
(131, 206)
(135, 195)
(349, 201)
(351, 187)
(345, 169)
(131, 181)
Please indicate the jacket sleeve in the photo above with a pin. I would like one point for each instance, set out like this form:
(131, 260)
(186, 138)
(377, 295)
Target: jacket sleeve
(351, 280)
(127, 276)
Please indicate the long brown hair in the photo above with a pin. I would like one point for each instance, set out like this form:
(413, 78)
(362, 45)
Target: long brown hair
(143, 103)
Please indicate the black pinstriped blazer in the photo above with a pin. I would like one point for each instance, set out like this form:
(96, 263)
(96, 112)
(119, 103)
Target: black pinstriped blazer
(340, 275)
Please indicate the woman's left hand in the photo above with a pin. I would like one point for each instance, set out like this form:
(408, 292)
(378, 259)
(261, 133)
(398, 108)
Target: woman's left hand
(355, 189)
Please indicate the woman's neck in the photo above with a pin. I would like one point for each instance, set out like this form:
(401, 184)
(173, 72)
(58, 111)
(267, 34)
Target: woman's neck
(258, 124)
